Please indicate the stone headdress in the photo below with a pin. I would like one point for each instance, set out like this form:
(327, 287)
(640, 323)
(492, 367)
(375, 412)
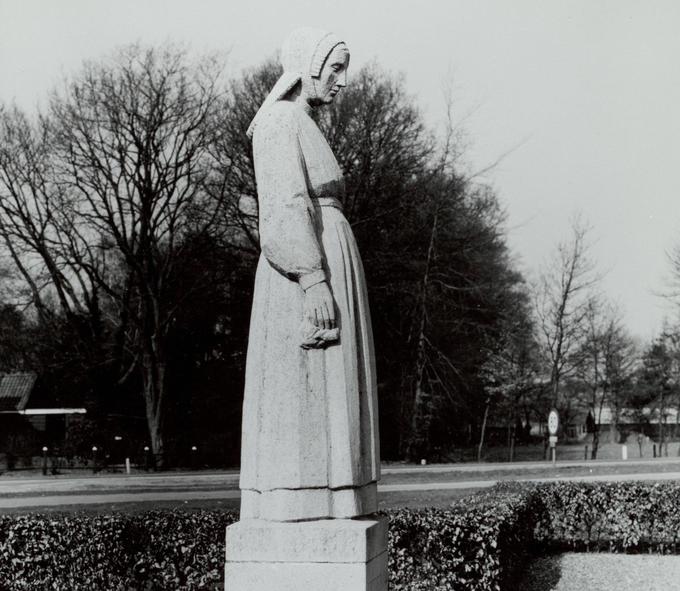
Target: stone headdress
(303, 52)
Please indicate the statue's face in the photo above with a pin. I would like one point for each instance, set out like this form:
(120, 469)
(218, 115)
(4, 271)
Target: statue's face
(332, 78)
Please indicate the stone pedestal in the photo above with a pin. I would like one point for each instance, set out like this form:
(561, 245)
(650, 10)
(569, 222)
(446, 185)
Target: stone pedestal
(327, 555)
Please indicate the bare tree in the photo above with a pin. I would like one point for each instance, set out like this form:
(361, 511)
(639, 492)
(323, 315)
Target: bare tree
(562, 302)
(621, 355)
(674, 280)
(141, 156)
(32, 224)
(658, 383)
(608, 359)
(511, 372)
(131, 139)
(233, 180)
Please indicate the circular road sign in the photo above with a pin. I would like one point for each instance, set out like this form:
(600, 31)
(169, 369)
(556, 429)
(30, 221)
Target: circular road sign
(553, 422)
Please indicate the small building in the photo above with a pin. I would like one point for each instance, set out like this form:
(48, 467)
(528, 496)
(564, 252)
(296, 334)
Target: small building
(615, 426)
(577, 428)
(15, 390)
(26, 423)
(642, 420)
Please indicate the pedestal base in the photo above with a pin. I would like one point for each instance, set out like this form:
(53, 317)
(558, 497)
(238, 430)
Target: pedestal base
(329, 555)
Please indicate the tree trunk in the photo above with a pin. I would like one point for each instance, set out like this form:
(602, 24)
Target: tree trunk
(614, 432)
(420, 424)
(483, 431)
(555, 391)
(662, 433)
(421, 412)
(154, 396)
(597, 422)
(512, 428)
(596, 442)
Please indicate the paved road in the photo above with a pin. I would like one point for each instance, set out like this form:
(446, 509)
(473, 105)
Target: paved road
(224, 486)
(229, 479)
(463, 484)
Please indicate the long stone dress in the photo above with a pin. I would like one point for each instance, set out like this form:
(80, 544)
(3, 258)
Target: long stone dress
(310, 416)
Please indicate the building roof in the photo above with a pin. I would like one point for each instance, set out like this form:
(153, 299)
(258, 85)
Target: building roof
(629, 416)
(15, 390)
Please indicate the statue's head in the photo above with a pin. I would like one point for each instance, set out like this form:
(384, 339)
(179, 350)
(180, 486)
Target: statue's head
(314, 64)
(320, 59)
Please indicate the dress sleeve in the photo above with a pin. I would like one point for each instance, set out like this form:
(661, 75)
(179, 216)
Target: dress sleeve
(287, 235)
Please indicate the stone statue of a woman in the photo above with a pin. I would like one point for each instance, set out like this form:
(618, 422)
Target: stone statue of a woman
(310, 459)
(310, 433)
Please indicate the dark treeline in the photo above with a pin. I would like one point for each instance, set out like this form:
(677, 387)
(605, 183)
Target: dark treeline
(128, 223)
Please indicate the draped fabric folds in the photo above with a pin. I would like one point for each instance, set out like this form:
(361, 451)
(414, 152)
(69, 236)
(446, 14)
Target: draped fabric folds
(310, 432)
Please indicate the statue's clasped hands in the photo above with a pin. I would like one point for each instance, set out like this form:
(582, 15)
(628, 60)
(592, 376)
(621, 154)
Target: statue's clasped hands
(319, 326)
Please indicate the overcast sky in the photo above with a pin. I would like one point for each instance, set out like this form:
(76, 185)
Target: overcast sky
(584, 95)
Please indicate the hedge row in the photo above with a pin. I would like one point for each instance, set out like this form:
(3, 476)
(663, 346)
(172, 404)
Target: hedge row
(471, 546)
(616, 517)
(479, 544)
(157, 550)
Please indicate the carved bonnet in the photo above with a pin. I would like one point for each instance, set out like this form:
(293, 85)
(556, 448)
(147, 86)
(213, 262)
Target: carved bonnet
(303, 52)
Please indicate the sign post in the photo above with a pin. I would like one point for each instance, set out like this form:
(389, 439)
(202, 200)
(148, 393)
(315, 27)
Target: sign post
(44, 461)
(553, 426)
(94, 459)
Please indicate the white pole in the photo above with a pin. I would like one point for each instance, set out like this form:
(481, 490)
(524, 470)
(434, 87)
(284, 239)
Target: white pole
(624, 452)
(127, 465)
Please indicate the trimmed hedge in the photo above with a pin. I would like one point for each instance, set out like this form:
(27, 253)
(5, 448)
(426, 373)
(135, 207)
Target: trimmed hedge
(476, 545)
(153, 551)
(629, 517)
(480, 544)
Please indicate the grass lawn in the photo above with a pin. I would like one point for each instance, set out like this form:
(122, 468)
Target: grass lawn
(106, 508)
(565, 451)
(601, 572)
(391, 500)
